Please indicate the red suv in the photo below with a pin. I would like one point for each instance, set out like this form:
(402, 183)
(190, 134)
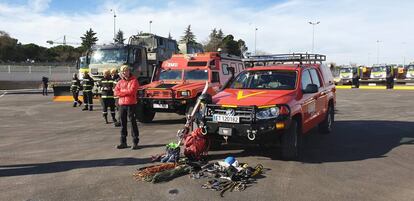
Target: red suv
(282, 96)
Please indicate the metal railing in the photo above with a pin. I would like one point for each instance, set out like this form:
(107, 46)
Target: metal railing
(35, 73)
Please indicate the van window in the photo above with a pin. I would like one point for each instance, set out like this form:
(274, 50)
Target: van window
(212, 64)
(235, 67)
(224, 69)
(240, 67)
(306, 79)
(215, 77)
(315, 77)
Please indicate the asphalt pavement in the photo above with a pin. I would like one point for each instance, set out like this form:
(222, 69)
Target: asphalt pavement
(52, 151)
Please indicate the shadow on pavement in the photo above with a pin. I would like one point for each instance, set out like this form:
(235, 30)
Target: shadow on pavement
(62, 166)
(350, 141)
(168, 121)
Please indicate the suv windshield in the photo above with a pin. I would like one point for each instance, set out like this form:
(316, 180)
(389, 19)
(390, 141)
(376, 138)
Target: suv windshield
(171, 75)
(410, 68)
(280, 80)
(345, 70)
(196, 75)
(103, 56)
(378, 69)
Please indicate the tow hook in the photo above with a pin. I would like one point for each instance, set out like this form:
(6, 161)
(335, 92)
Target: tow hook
(226, 138)
(251, 135)
(204, 130)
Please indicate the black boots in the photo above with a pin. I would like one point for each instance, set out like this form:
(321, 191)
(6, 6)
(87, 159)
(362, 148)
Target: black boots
(75, 104)
(123, 143)
(135, 146)
(114, 119)
(90, 108)
(85, 108)
(105, 116)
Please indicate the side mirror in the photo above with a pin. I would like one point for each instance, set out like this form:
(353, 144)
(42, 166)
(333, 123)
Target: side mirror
(310, 89)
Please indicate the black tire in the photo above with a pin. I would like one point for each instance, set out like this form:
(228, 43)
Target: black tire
(326, 126)
(145, 115)
(291, 141)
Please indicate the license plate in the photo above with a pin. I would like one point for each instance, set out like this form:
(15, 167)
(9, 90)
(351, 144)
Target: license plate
(161, 106)
(227, 119)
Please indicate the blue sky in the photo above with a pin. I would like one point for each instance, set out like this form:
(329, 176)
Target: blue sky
(347, 33)
(84, 6)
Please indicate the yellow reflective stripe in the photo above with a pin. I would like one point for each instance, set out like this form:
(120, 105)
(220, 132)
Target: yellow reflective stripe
(108, 81)
(87, 90)
(107, 96)
(266, 106)
(229, 106)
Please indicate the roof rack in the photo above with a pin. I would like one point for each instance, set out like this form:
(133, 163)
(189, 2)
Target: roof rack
(286, 58)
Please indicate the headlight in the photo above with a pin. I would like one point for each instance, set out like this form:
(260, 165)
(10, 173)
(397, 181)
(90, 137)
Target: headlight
(268, 113)
(185, 93)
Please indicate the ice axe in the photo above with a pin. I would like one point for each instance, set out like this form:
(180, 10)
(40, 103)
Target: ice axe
(190, 119)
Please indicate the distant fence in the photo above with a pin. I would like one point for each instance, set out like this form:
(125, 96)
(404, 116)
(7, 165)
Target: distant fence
(35, 73)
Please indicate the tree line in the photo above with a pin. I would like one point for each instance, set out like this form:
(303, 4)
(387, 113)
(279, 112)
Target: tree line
(11, 50)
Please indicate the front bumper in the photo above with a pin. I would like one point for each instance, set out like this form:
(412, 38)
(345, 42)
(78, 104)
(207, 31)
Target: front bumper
(173, 105)
(249, 128)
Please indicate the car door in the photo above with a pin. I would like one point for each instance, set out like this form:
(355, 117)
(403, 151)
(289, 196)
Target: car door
(309, 102)
(321, 97)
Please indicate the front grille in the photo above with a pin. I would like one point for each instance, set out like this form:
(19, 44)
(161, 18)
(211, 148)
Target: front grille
(159, 93)
(245, 113)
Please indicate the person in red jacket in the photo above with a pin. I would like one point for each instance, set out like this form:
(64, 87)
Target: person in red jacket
(126, 90)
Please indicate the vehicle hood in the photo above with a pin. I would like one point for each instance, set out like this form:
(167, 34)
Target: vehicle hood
(243, 97)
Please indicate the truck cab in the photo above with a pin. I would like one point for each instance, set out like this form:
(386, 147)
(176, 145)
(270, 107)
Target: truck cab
(82, 64)
(281, 100)
(345, 75)
(410, 72)
(378, 73)
(180, 80)
(158, 48)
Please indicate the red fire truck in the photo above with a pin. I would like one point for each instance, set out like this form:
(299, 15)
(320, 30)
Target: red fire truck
(181, 79)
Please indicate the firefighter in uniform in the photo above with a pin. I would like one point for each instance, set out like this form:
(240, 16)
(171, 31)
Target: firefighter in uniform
(116, 78)
(390, 77)
(75, 88)
(356, 75)
(107, 98)
(87, 84)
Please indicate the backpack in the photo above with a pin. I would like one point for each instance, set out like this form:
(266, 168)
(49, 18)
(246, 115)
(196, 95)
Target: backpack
(196, 145)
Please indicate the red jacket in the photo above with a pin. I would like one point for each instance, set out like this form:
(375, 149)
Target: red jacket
(126, 90)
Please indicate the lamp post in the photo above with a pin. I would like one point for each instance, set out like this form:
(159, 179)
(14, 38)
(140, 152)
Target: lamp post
(255, 40)
(150, 22)
(404, 52)
(378, 41)
(313, 33)
(113, 11)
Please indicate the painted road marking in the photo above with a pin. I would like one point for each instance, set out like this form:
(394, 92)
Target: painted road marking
(3, 94)
(378, 87)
